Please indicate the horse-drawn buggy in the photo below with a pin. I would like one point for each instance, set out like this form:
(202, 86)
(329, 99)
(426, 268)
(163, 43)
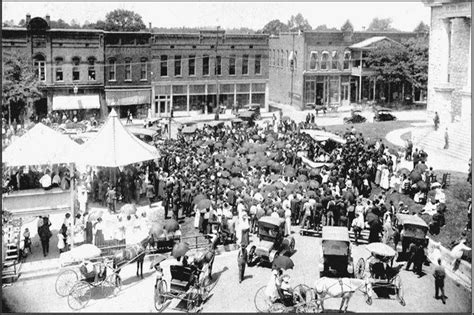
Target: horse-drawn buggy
(272, 242)
(413, 229)
(336, 252)
(190, 282)
(378, 267)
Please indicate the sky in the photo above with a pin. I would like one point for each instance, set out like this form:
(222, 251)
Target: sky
(405, 15)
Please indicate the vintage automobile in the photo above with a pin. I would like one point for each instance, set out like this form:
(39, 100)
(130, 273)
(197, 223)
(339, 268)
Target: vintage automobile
(336, 254)
(384, 114)
(149, 135)
(413, 229)
(317, 107)
(254, 108)
(355, 118)
(272, 242)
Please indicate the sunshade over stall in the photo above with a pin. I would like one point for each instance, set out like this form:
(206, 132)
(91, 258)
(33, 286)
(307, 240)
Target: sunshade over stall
(320, 135)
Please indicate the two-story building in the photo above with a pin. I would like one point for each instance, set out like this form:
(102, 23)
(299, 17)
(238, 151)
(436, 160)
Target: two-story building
(195, 72)
(69, 64)
(326, 67)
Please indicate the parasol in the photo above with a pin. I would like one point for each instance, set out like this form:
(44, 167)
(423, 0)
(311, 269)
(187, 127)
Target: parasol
(128, 209)
(421, 185)
(219, 156)
(225, 174)
(285, 118)
(218, 145)
(274, 177)
(199, 198)
(381, 249)
(302, 178)
(289, 171)
(203, 204)
(156, 230)
(313, 184)
(180, 250)
(236, 182)
(404, 171)
(95, 213)
(371, 218)
(276, 167)
(303, 185)
(236, 170)
(290, 187)
(279, 185)
(415, 176)
(311, 194)
(203, 167)
(158, 259)
(283, 262)
(258, 196)
(171, 225)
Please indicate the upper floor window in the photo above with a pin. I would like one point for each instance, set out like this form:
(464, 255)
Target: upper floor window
(128, 69)
(177, 65)
(91, 69)
(335, 60)
(325, 62)
(258, 64)
(232, 65)
(143, 69)
(192, 65)
(40, 65)
(112, 70)
(164, 65)
(347, 60)
(218, 65)
(76, 74)
(59, 69)
(205, 65)
(245, 64)
(314, 61)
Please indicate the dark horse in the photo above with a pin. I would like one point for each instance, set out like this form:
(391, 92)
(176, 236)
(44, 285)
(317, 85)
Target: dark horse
(206, 259)
(130, 254)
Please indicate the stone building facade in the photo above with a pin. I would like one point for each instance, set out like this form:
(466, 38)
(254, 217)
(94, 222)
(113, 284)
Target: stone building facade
(449, 72)
(327, 67)
(190, 71)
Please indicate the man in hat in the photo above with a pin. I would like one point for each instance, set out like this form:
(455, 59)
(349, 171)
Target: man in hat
(242, 258)
(439, 274)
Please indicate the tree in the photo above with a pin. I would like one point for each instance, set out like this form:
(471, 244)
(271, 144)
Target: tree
(8, 23)
(381, 25)
(74, 24)
(324, 27)
(123, 20)
(417, 61)
(275, 27)
(20, 84)
(347, 27)
(59, 24)
(99, 25)
(298, 23)
(22, 23)
(422, 28)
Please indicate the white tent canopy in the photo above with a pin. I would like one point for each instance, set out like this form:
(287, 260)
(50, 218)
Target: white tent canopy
(115, 146)
(320, 135)
(41, 145)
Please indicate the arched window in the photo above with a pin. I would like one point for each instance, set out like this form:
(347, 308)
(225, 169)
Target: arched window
(325, 62)
(314, 61)
(112, 70)
(335, 60)
(40, 65)
(76, 73)
(91, 68)
(347, 60)
(59, 75)
(143, 68)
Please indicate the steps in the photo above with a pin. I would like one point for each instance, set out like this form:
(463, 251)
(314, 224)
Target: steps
(459, 141)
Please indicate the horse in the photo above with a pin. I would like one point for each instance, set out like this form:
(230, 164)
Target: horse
(130, 254)
(206, 259)
(343, 288)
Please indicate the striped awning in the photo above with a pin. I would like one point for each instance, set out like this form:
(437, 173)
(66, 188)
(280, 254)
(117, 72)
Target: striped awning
(128, 97)
(72, 102)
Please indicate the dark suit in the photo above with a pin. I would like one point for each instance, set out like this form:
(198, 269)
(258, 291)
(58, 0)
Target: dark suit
(242, 261)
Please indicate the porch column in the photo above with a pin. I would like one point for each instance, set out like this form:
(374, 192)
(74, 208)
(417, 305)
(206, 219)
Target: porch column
(250, 94)
(187, 98)
(360, 78)
(235, 94)
(375, 81)
(339, 100)
(349, 93)
(171, 97)
(205, 103)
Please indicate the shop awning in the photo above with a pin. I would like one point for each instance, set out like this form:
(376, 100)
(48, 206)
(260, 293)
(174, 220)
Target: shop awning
(127, 97)
(71, 102)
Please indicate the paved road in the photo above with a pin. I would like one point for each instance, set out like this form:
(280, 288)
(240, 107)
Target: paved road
(38, 295)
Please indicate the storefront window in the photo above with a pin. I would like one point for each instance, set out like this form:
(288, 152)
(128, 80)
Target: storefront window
(334, 90)
(179, 102)
(179, 89)
(258, 87)
(91, 69)
(59, 69)
(243, 99)
(128, 69)
(310, 91)
(243, 88)
(197, 89)
(258, 99)
(227, 88)
(75, 69)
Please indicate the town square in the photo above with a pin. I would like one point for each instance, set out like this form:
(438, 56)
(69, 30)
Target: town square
(249, 157)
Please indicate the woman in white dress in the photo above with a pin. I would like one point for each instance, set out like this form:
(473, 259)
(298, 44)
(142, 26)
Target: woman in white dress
(384, 178)
(287, 222)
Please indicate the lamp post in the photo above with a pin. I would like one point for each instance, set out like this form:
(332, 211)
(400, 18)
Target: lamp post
(291, 59)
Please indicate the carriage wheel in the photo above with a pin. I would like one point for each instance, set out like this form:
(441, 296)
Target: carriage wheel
(399, 290)
(65, 282)
(262, 301)
(160, 298)
(360, 268)
(277, 308)
(80, 295)
(194, 300)
(114, 281)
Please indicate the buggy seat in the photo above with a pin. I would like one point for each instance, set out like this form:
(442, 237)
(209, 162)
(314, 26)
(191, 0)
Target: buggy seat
(378, 270)
(181, 277)
(93, 276)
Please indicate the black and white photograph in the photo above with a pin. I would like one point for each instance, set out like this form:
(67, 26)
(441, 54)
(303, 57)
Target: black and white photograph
(252, 157)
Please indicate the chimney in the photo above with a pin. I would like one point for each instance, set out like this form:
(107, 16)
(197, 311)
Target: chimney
(48, 19)
(28, 18)
(149, 26)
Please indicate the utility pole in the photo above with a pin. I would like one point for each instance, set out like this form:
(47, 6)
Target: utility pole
(292, 68)
(217, 77)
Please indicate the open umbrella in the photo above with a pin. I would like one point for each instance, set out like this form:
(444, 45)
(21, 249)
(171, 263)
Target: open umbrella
(159, 258)
(371, 218)
(203, 167)
(156, 230)
(171, 225)
(236, 170)
(421, 185)
(290, 187)
(274, 177)
(276, 167)
(236, 182)
(313, 184)
(219, 156)
(203, 204)
(302, 178)
(180, 250)
(283, 262)
(289, 171)
(218, 145)
(311, 194)
(95, 213)
(279, 185)
(303, 185)
(415, 176)
(404, 171)
(225, 174)
(285, 118)
(199, 198)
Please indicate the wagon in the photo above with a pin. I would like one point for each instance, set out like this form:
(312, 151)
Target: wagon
(302, 300)
(336, 252)
(413, 229)
(272, 242)
(379, 268)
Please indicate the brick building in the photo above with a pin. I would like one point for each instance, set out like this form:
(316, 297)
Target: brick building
(327, 67)
(191, 70)
(449, 71)
(69, 64)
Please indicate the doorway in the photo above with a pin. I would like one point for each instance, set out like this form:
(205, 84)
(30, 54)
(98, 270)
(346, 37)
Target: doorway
(319, 93)
(41, 108)
(345, 94)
